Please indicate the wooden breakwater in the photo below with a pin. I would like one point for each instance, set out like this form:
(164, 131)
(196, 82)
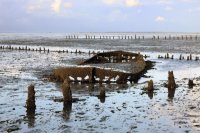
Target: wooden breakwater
(133, 37)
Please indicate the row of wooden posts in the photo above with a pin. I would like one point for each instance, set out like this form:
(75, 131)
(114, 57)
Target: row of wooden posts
(181, 57)
(45, 50)
(125, 37)
(182, 37)
(166, 56)
(135, 37)
(67, 93)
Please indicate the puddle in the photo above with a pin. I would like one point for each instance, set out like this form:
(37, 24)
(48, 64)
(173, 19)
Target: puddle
(125, 108)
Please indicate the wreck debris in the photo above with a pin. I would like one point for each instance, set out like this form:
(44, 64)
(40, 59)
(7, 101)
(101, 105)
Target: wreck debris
(112, 57)
(89, 75)
(30, 102)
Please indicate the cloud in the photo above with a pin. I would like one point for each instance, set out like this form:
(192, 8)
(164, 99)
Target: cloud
(35, 6)
(47, 7)
(168, 8)
(193, 10)
(55, 6)
(165, 2)
(126, 3)
(132, 3)
(67, 5)
(159, 19)
(110, 2)
(116, 16)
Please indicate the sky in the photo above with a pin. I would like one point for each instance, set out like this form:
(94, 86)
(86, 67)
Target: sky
(21, 16)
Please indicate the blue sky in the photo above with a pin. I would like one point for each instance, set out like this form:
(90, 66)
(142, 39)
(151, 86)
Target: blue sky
(99, 15)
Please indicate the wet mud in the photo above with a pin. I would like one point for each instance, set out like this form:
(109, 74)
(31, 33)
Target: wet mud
(144, 106)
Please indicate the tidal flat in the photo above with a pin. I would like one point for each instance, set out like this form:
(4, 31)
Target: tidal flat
(126, 107)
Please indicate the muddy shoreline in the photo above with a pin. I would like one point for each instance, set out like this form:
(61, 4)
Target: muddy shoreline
(127, 107)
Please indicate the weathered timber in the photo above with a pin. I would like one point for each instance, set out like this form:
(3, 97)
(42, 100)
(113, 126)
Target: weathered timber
(30, 102)
(112, 57)
(171, 84)
(135, 62)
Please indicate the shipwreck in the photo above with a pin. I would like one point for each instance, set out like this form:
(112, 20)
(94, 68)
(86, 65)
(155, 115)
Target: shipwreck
(107, 67)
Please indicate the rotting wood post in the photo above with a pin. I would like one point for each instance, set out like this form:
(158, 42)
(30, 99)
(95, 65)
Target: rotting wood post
(167, 55)
(180, 58)
(190, 83)
(67, 94)
(30, 102)
(190, 56)
(196, 58)
(102, 93)
(150, 85)
(171, 84)
(92, 74)
(172, 57)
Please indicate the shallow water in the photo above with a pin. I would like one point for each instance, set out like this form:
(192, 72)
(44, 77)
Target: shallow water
(126, 108)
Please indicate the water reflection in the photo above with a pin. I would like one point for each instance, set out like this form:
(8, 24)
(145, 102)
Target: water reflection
(67, 110)
(150, 94)
(94, 89)
(31, 118)
(171, 93)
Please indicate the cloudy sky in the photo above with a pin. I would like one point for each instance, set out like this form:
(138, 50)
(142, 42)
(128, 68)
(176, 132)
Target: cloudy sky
(99, 15)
